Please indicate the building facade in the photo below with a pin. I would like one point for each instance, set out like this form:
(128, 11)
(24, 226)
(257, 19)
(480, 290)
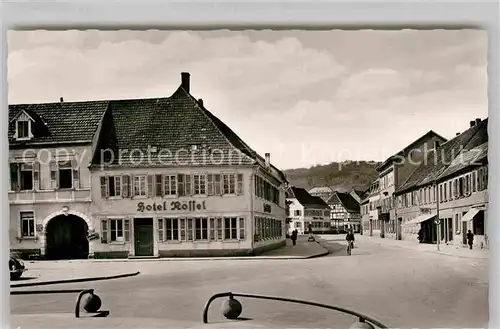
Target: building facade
(50, 148)
(393, 172)
(345, 212)
(449, 185)
(307, 211)
(163, 178)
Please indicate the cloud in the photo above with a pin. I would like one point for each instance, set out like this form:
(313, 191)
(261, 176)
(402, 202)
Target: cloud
(305, 97)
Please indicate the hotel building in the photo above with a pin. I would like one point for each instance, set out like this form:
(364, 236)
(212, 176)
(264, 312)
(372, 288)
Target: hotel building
(164, 177)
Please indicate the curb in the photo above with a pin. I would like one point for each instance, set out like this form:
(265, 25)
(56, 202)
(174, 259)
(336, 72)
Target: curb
(100, 278)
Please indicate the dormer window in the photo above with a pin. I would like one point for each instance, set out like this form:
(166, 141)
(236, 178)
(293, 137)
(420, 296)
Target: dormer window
(23, 124)
(23, 128)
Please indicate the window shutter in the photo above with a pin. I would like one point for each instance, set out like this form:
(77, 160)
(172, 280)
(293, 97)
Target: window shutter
(76, 173)
(36, 175)
(242, 229)
(126, 229)
(160, 230)
(14, 176)
(210, 184)
(180, 185)
(189, 188)
(104, 231)
(104, 187)
(485, 178)
(151, 186)
(125, 186)
(54, 175)
(239, 184)
(159, 185)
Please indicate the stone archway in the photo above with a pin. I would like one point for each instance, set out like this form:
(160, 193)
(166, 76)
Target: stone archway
(65, 235)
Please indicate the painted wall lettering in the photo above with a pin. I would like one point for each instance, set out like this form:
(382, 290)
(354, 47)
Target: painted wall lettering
(172, 206)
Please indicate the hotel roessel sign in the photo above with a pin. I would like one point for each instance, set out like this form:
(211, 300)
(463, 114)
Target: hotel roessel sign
(172, 206)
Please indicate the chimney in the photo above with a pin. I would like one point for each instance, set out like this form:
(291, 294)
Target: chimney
(61, 99)
(478, 121)
(200, 101)
(457, 134)
(185, 81)
(472, 123)
(268, 159)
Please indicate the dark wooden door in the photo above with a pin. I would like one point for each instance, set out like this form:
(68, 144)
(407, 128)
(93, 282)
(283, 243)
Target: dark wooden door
(143, 235)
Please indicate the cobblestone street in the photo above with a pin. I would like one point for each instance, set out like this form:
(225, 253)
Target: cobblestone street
(402, 288)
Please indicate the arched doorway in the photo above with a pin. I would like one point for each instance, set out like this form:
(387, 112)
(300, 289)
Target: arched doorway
(67, 238)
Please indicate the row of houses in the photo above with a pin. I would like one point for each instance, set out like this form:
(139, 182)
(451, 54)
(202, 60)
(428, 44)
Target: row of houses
(434, 186)
(138, 178)
(323, 210)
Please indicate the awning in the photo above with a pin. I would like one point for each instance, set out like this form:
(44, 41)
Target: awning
(470, 214)
(420, 219)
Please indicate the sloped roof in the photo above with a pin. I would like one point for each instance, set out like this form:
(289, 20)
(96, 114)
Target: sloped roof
(429, 134)
(346, 199)
(466, 159)
(173, 125)
(307, 199)
(320, 189)
(436, 163)
(61, 122)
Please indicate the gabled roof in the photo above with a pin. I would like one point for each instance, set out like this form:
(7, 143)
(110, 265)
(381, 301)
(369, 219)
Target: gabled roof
(61, 122)
(346, 199)
(306, 199)
(173, 126)
(437, 163)
(429, 134)
(321, 189)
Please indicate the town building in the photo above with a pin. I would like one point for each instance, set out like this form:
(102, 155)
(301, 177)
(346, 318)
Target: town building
(371, 226)
(158, 177)
(392, 173)
(323, 192)
(307, 211)
(448, 171)
(50, 148)
(345, 212)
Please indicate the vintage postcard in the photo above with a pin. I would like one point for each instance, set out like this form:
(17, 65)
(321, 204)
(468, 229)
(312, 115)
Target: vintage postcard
(339, 167)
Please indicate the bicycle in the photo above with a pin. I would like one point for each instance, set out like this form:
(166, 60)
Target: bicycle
(349, 247)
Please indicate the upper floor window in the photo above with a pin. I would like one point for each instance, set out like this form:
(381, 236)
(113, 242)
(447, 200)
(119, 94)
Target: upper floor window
(64, 174)
(24, 176)
(23, 126)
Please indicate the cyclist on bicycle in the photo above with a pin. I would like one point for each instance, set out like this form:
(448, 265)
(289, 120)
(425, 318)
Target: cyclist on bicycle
(350, 238)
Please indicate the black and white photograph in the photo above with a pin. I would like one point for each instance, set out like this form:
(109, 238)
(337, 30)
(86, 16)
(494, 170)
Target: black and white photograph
(248, 178)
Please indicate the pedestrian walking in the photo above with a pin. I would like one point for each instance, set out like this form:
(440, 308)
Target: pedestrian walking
(294, 237)
(470, 239)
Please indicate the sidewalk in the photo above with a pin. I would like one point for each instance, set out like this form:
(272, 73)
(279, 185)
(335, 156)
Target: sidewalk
(448, 250)
(43, 271)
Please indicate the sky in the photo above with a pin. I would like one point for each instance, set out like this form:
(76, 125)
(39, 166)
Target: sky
(305, 97)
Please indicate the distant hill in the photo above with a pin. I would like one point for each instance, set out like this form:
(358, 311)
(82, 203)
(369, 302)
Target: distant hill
(341, 176)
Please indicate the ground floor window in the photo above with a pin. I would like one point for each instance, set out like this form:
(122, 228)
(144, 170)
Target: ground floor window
(115, 230)
(27, 224)
(268, 228)
(201, 229)
(478, 224)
